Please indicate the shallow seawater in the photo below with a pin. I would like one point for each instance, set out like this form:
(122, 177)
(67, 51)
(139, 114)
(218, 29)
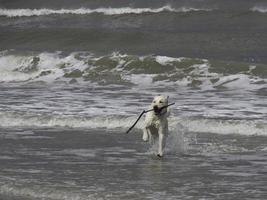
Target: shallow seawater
(75, 75)
(109, 164)
(63, 140)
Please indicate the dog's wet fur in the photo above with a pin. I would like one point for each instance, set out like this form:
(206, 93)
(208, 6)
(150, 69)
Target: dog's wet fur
(156, 123)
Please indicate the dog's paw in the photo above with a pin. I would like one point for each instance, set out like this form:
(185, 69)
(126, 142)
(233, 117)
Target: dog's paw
(145, 140)
(145, 137)
(159, 155)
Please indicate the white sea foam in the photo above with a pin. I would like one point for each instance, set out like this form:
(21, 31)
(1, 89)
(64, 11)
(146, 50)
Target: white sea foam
(18, 68)
(164, 60)
(87, 11)
(242, 127)
(15, 120)
(240, 81)
(9, 63)
(38, 192)
(224, 127)
(261, 9)
(51, 67)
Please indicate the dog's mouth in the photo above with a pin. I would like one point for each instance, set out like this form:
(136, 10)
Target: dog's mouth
(157, 110)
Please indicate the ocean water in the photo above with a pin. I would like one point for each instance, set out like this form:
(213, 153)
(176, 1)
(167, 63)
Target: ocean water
(75, 75)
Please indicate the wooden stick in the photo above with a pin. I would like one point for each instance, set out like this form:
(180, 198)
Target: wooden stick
(136, 121)
(146, 111)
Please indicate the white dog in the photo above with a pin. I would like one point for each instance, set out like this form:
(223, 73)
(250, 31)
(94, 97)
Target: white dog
(156, 123)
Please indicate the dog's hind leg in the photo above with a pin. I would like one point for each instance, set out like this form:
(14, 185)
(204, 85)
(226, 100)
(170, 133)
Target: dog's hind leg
(149, 135)
(153, 134)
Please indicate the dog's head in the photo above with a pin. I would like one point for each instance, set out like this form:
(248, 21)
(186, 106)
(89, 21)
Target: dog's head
(158, 103)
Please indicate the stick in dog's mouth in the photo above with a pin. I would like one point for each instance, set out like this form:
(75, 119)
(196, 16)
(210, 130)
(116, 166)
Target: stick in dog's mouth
(146, 111)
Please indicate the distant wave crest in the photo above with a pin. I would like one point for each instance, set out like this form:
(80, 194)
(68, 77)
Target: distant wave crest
(260, 9)
(87, 11)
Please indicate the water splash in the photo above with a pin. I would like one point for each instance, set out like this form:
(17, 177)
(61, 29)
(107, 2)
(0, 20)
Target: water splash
(176, 142)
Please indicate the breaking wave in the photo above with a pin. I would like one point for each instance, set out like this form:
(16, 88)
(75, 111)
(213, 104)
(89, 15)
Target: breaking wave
(260, 9)
(87, 11)
(118, 69)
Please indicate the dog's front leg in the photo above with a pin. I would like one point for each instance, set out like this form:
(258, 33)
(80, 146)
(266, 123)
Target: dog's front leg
(145, 134)
(161, 141)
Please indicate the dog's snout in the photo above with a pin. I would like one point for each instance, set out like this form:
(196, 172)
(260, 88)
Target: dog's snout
(156, 108)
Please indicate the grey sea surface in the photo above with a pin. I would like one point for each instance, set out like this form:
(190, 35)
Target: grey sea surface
(218, 29)
(75, 75)
(108, 164)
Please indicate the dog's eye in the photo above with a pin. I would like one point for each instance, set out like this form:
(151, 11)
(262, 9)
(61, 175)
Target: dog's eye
(160, 101)
(154, 101)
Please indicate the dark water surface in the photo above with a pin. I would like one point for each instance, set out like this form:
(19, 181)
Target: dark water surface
(220, 29)
(53, 164)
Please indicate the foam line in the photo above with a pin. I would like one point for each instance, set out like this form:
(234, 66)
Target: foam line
(259, 9)
(87, 11)
(241, 127)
